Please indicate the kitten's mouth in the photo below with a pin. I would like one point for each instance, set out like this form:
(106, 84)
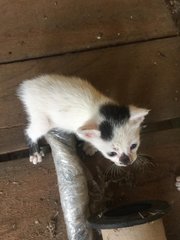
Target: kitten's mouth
(122, 164)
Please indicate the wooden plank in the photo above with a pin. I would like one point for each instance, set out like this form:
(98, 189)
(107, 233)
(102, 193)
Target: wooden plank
(50, 27)
(143, 74)
(12, 139)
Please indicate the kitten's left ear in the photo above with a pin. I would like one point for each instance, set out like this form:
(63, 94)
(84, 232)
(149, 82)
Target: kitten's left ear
(138, 114)
(89, 131)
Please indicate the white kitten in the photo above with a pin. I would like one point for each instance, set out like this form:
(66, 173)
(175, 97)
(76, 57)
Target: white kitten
(75, 106)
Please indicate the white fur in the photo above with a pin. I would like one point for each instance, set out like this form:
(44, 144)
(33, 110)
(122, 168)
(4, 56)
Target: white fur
(58, 101)
(72, 104)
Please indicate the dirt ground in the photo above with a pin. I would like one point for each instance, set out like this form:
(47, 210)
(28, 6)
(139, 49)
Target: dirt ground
(29, 202)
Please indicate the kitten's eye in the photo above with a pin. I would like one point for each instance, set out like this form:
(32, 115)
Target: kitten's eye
(112, 154)
(133, 146)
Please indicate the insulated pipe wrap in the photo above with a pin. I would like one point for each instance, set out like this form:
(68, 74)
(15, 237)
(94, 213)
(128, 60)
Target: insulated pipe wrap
(72, 185)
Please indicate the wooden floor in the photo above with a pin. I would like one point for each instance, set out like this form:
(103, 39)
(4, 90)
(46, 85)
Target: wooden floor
(129, 50)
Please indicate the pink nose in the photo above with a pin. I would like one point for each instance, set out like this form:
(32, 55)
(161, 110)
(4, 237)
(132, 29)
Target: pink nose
(125, 159)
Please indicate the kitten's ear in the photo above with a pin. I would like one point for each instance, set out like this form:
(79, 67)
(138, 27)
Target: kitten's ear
(89, 131)
(138, 114)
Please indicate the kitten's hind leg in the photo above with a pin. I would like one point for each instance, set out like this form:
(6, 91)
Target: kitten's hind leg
(37, 128)
(35, 155)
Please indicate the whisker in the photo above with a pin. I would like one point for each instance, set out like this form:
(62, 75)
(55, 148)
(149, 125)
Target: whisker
(108, 170)
(144, 161)
(114, 171)
(117, 171)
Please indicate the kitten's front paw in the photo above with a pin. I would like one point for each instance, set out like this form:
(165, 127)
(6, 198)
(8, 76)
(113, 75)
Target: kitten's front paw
(36, 157)
(89, 149)
(178, 183)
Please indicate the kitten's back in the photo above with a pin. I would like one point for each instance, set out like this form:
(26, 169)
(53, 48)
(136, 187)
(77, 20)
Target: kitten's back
(57, 87)
(57, 95)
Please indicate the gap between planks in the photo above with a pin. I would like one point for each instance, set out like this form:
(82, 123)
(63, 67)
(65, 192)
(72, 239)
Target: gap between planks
(92, 48)
(146, 128)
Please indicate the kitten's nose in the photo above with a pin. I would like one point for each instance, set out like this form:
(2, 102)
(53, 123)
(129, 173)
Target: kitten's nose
(125, 159)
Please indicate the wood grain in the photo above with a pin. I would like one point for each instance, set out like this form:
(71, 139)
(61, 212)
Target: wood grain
(12, 140)
(49, 27)
(143, 74)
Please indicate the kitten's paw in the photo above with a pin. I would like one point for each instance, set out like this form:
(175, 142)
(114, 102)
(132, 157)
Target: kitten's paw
(89, 149)
(36, 157)
(178, 183)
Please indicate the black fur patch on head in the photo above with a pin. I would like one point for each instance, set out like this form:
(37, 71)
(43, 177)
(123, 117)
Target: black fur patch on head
(106, 130)
(114, 113)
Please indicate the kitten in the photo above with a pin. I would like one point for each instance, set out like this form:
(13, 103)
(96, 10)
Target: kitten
(75, 106)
